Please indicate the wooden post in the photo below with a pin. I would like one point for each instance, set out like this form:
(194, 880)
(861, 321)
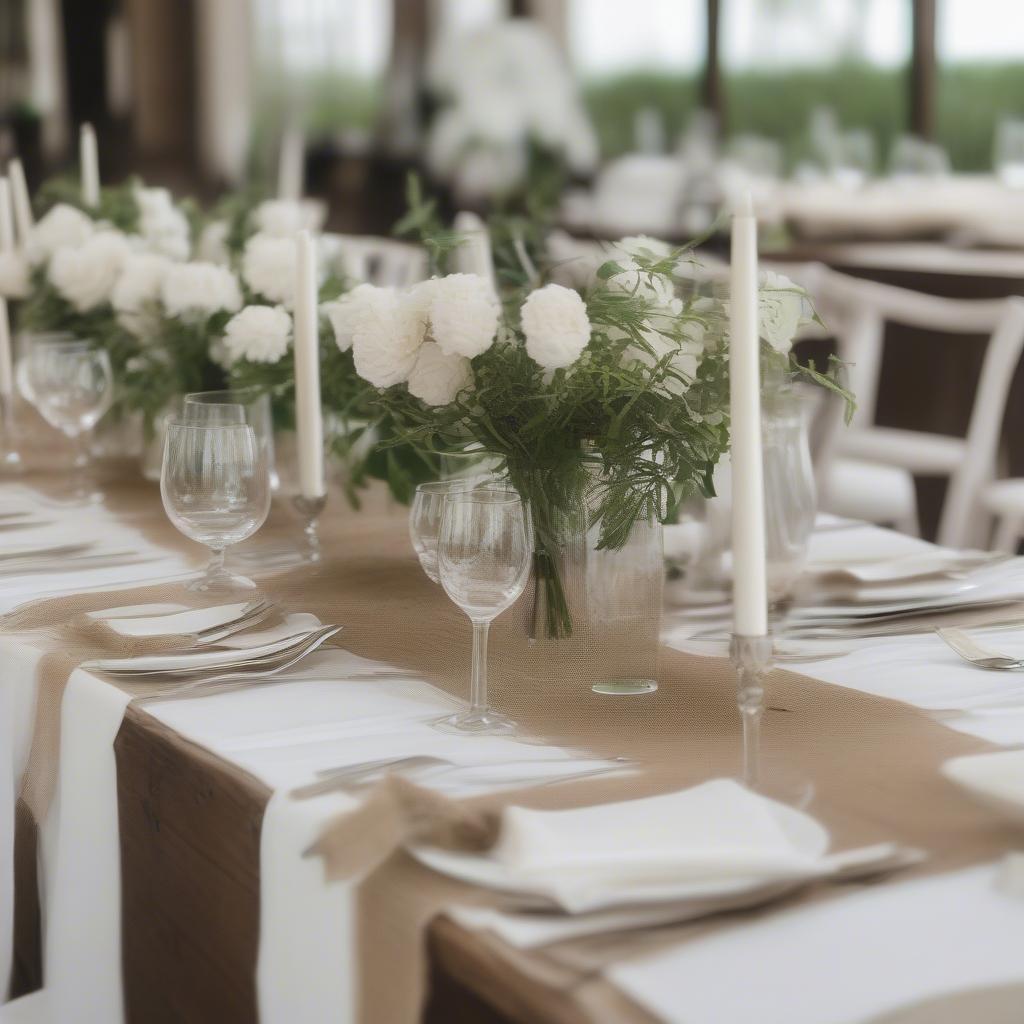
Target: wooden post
(712, 95)
(923, 70)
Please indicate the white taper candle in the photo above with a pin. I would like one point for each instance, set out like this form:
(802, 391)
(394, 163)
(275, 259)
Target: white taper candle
(22, 203)
(308, 415)
(6, 245)
(750, 611)
(89, 166)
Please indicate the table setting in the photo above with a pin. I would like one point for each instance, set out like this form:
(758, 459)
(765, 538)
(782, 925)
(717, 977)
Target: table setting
(440, 719)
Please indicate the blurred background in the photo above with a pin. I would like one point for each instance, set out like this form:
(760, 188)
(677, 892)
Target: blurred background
(679, 97)
(882, 139)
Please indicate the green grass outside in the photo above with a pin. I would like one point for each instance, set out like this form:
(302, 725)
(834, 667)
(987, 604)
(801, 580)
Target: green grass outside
(971, 98)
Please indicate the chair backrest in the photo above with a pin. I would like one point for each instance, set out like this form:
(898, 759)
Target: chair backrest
(867, 306)
(380, 261)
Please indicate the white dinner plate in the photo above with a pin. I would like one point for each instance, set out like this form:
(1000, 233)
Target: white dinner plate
(995, 780)
(809, 839)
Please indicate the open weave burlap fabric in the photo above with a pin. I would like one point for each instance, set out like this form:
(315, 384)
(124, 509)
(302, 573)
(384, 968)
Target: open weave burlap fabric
(874, 762)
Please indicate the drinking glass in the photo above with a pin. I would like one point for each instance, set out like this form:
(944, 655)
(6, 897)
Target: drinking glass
(425, 518)
(790, 498)
(483, 562)
(237, 405)
(215, 490)
(71, 383)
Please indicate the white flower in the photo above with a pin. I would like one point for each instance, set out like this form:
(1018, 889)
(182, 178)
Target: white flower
(628, 254)
(137, 291)
(14, 279)
(780, 310)
(163, 227)
(85, 275)
(556, 326)
(463, 314)
(62, 226)
(438, 377)
(259, 334)
(198, 290)
(384, 330)
(283, 218)
(269, 266)
(213, 243)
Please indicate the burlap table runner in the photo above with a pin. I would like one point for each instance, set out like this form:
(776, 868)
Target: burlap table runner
(874, 762)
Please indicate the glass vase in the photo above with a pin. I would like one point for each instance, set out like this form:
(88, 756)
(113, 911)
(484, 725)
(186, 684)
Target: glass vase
(613, 599)
(790, 497)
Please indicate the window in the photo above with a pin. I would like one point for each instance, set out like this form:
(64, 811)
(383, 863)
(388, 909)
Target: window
(325, 57)
(980, 50)
(639, 62)
(783, 59)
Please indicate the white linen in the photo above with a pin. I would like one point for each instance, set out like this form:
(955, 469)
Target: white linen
(843, 961)
(996, 779)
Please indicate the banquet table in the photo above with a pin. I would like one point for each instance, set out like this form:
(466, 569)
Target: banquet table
(171, 878)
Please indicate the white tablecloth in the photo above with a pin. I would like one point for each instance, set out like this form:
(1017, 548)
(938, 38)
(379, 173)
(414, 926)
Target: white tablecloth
(282, 733)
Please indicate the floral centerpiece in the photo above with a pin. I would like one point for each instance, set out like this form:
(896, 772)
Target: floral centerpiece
(610, 398)
(615, 399)
(510, 120)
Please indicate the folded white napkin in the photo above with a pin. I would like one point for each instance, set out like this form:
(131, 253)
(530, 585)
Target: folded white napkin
(717, 832)
(167, 619)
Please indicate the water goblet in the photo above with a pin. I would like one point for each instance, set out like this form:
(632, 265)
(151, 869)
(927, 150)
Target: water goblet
(483, 562)
(237, 405)
(425, 518)
(216, 491)
(71, 383)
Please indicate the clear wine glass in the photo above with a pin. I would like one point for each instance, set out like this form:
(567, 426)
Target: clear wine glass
(425, 518)
(71, 383)
(215, 490)
(237, 405)
(483, 562)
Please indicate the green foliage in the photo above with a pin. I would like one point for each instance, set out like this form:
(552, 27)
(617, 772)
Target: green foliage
(174, 361)
(117, 202)
(423, 222)
(971, 97)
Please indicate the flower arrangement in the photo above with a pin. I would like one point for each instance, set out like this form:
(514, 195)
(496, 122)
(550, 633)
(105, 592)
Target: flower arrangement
(509, 114)
(625, 382)
(96, 272)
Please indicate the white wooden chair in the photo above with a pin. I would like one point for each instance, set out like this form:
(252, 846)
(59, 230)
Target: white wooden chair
(871, 473)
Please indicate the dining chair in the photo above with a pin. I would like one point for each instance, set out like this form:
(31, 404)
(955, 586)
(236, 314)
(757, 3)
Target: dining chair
(871, 469)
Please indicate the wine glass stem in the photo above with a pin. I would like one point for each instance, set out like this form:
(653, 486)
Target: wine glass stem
(81, 477)
(478, 686)
(216, 566)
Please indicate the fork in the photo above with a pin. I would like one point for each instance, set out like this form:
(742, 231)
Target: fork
(971, 651)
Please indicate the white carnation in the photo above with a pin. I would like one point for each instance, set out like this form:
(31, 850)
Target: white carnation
(163, 227)
(463, 313)
(137, 291)
(781, 305)
(384, 329)
(269, 266)
(438, 377)
(213, 243)
(14, 279)
(284, 218)
(658, 289)
(556, 326)
(198, 290)
(258, 333)
(85, 275)
(63, 226)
